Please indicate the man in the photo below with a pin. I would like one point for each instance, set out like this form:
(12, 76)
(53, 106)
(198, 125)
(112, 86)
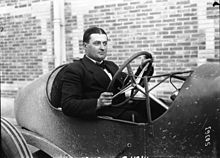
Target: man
(83, 83)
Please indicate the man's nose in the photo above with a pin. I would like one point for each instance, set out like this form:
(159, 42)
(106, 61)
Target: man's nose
(102, 46)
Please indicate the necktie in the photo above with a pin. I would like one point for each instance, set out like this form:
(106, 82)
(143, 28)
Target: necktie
(102, 65)
(105, 68)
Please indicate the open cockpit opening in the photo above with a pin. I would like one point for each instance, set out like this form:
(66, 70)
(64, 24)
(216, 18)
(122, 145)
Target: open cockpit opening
(161, 102)
(158, 104)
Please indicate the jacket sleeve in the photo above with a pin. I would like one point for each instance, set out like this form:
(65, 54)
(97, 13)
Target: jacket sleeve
(72, 101)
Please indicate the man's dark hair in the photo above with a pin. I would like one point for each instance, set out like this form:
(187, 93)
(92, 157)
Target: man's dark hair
(91, 30)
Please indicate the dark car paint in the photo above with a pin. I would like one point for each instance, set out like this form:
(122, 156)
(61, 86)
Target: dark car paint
(182, 131)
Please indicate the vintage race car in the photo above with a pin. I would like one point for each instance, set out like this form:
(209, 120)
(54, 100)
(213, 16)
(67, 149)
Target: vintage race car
(189, 126)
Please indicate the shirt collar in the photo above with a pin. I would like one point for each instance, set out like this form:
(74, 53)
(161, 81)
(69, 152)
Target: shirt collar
(94, 60)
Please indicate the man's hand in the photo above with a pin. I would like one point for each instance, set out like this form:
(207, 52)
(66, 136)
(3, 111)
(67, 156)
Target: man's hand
(145, 60)
(150, 69)
(105, 99)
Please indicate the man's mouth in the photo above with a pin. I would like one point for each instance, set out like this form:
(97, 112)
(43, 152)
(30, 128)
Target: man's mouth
(101, 53)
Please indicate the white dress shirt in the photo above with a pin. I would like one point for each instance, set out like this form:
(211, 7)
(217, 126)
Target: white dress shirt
(105, 70)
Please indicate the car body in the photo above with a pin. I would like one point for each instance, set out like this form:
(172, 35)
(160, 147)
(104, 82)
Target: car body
(188, 128)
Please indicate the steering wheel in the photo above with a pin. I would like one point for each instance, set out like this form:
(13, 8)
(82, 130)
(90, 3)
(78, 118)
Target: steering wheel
(131, 82)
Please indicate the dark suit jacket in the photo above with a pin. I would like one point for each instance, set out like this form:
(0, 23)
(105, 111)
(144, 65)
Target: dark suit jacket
(78, 86)
(81, 84)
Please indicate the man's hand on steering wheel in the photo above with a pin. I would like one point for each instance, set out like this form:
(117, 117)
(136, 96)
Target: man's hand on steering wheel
(149, 70)
(104, 100)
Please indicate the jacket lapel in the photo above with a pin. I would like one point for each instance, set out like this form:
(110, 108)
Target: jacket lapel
(97, 72)
(111, 68)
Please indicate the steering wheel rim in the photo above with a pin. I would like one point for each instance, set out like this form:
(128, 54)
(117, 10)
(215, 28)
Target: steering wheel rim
(134, 81)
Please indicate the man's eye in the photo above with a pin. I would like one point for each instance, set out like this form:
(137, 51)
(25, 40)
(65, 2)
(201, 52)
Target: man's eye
(99, 43)
(96, 43)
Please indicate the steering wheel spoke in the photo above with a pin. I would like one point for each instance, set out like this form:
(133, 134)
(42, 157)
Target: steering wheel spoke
(141, 89)
(131, 82)
(124, 90)
(131, 74)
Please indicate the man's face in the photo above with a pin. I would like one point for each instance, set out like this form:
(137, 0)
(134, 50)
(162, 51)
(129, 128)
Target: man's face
(97, 47)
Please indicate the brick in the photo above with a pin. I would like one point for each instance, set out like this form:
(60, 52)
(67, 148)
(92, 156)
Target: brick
(117, 24)
(122, 19)
(135, 26)
(111, 21)
(146, 10)
(170, 44)
(142, 14)
(161, 65)
(176, 48)
(176, 32)
(100, 22)
(202, 47)
(99, 7)
(168, 28)
(148, 26)
(183, 27)
(134, 3)
(183, 19)
(169, 20)
(169, 36)
(128, 23)
(175, 15)
(155, 13)
(155, 21)
(123, 27)
(104, 10)
(182, 2)
(128, 7)
(175, 24)
(110, 13)
(156, 45)
(161, 0)
(176, 57)
(189, 14)
(191, 31)
(184, 44)
(110, 5)
(93, 11)
(149, 34)
(122, 4)
(135, 42)
(190, 23)
(117, 46)
(191, 48)
(161, 25)
(142, 6)
(142, 45)
(162, 49)
(168, 53)
(134, 11)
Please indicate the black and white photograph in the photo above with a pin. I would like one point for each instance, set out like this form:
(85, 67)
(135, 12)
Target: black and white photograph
(110, 78)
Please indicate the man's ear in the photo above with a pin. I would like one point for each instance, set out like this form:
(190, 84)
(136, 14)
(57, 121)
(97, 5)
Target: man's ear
(84, 44)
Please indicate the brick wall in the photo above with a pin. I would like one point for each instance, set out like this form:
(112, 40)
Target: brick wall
(170, 32)
(26, 43)
(181, 35)
(22, 48)
(70, 25)
(213, 15)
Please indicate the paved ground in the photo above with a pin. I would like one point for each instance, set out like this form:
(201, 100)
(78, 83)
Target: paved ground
(7, 111)
(7, 107)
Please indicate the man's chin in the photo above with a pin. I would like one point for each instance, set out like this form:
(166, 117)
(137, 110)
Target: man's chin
(101, 58)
